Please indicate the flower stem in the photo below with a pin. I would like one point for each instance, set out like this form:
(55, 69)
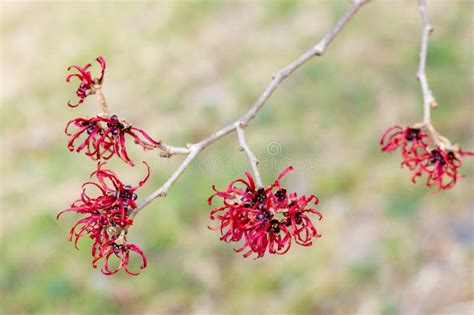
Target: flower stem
(429, 100)
(104, 106)
(253, 160)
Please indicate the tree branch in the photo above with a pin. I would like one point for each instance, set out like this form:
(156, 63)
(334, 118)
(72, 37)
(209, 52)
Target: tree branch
(168, 150)
(253, 160)
(104, 106)
(192, 150)
(428, 98)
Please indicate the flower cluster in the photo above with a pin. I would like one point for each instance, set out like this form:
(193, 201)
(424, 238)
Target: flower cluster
(104, 137)
(266, 219)
(107, 213)
(438, 163)
(106, 218)
(88, 83)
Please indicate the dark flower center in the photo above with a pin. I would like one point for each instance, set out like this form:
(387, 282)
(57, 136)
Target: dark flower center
(298, 220)
(91, 126)
(451, 156)
(274, 226)
(116, 248)
(264, 215)
(281, 194)
(90, 129)
(116, 125)
(84, 86)
(126, 194)
(436, 157)
(413, 133)
(260, 197)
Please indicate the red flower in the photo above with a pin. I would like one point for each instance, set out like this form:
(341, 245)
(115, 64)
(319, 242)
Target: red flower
(122, 251)
(439, 165)
(410, 139)
(302, 227)
(266, 219)
(123, 196)
(92, 130)
(86, 87)
(106, 216)
(105, 137)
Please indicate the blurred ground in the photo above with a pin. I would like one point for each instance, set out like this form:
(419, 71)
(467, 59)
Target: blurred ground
(182, 70)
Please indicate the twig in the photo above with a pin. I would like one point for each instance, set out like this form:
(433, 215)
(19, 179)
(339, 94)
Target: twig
(168, 150)
(253, 160)
(102, 101)
(429, 100)
(192, 150)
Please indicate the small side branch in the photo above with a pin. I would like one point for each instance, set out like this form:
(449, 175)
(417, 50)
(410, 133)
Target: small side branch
(253, 160)
(168, 150)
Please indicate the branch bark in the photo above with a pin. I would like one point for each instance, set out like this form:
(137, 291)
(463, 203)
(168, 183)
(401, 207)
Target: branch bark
(104, 106)
(428, 98)
(192, 150)
(253, 160)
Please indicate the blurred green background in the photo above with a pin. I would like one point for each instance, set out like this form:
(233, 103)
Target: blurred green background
(181, 70)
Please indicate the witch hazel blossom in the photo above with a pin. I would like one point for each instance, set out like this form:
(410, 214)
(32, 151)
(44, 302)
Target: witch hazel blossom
(409, 139)
(105, 205)
(123, 196)
(440, 166)
(122, 252)
(263, 219)
(102, 137)
(426, 153)
(87, 84)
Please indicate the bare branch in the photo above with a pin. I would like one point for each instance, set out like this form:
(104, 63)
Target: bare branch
(194, 149)
(163, 190)
(428, 98)
(253, 160)
(104, 106)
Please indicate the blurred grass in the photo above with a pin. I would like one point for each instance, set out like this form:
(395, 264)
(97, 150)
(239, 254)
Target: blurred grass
(181, 70)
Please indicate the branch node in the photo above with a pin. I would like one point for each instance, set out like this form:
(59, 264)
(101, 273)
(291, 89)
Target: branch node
(164, 154)
(242, 124)
(319, 49)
